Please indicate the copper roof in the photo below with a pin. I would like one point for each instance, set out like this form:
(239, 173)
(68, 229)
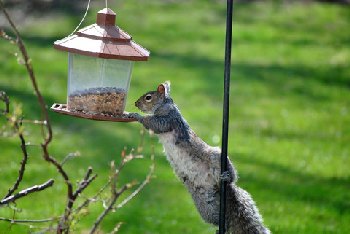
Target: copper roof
(103, 40)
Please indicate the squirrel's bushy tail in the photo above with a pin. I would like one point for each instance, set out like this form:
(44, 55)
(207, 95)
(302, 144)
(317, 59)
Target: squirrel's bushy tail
(242, 214)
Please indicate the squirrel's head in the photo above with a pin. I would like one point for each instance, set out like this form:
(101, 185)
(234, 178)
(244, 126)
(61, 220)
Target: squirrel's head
(151, 101)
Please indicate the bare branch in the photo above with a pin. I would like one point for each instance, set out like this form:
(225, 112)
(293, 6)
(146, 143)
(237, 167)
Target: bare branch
(65, 220)
(109, 208)
(22, 167)
(63, 226)
(88, 174)
(6, 100)
(7, 37)
(116, 194)
(114, 176)
(142, 140)
(116, 229)
(70, 156)
(26, 192)
(28, 220)
(30, 70)
(142, 185)
(92, 199)
(48, 137)
(38, 122)
(16, 126)
(137, 191)
(84, 183)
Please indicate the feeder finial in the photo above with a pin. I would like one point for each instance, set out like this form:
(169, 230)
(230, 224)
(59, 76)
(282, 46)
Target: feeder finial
(106, 17)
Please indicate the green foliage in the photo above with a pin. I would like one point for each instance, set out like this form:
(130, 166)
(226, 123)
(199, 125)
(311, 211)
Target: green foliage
(289, 125)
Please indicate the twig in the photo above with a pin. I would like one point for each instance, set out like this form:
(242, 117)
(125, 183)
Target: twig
(114, 193)
(16, 126)
(103, 188)
(144, 183)
(30, 70)
(133, 194)
(22, 165)
(7, 37)
(70, 156)
(63, 226)
(5, 99)
(94, 198)
(115, 196)
(84, 183)
(116, 229)
(142, 140)
(39, 122)
(50, 229)
(26, 192)
(28, 220)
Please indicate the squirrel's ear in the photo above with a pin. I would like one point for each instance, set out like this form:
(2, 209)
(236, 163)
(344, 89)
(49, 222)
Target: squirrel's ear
(164, 88)
(161, 89)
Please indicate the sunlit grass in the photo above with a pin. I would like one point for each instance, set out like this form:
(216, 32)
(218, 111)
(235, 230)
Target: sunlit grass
(289, 114)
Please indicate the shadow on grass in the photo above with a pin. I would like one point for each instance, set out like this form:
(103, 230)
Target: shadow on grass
(290, 185)
(294, 79)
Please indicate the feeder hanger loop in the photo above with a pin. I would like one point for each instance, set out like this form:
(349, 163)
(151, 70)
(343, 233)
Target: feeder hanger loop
(82, 20)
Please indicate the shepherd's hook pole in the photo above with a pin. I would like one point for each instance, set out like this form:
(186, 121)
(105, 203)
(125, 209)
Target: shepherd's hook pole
(226, 109)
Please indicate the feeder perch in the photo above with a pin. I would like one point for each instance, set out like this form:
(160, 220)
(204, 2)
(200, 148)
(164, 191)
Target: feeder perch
(100, 61)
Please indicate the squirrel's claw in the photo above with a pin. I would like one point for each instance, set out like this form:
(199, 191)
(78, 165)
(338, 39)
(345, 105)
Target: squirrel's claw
(136, 116)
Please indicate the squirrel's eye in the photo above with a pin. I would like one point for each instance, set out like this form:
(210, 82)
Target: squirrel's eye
(148, 97)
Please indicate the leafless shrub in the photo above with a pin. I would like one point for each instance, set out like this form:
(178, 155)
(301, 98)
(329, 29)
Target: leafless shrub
(14, 119)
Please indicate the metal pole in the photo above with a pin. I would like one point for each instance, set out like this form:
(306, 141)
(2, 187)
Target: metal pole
(225, 117)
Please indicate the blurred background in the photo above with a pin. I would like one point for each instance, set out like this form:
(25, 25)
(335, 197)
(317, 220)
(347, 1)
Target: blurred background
(289, 110)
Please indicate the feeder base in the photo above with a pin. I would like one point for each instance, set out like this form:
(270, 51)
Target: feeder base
(62, 109)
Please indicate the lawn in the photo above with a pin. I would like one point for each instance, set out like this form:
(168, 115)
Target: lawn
(289, 113)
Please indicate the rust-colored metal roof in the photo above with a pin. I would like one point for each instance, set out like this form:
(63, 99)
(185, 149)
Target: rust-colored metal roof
(103, 40)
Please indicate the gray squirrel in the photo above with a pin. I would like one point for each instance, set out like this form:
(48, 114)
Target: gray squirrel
(197, 164)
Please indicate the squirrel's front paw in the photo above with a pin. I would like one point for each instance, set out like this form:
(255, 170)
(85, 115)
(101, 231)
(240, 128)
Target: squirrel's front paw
(136, 116)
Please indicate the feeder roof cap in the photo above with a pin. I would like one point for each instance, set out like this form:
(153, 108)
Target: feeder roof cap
(103, 40)
(106, 11)
(106, 17)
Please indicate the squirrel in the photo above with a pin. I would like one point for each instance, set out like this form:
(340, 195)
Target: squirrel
(197, 164)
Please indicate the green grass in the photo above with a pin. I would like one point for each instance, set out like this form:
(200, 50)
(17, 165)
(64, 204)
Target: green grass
(289, 114)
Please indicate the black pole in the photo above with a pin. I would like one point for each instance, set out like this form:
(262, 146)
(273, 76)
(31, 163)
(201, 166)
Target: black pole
(225, 117)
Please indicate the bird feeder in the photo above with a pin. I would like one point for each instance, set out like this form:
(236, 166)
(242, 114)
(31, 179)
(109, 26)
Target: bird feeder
(100, 62)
